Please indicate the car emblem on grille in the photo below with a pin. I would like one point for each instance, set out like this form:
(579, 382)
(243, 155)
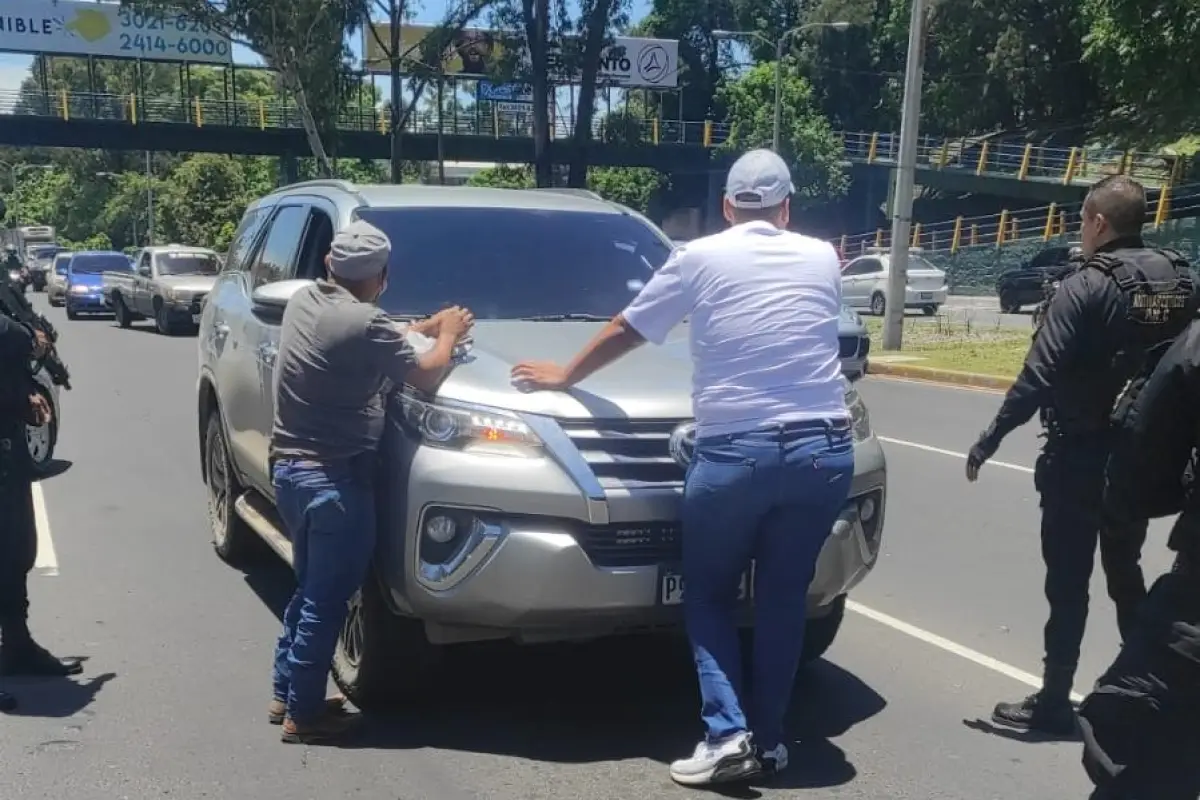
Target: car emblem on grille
(682, 443)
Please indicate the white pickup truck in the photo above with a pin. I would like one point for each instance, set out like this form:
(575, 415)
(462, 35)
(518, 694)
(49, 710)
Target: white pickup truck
(168, 285)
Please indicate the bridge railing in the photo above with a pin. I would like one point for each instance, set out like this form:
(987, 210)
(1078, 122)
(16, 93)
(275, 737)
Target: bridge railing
(263, 114)
(1044, 224)
(1021, 160)
(981, 155)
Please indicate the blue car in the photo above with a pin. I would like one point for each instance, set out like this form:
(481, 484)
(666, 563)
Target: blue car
(85, 280)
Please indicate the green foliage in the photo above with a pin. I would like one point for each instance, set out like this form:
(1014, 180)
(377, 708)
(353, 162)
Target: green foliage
(807, 142)
(97, 241)
(1143, 55)
(636, 187)
(503, 176)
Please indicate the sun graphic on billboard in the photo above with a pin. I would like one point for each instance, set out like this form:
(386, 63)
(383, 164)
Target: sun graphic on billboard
(90, 25)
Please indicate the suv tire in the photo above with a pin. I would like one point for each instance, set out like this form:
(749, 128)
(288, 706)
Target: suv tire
(232, 538)
(820, 633)
(381, 657)
(121, 311)
(878, 304)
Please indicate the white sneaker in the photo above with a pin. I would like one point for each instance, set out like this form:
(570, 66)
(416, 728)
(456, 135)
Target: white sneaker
(773, 761)
(730, 759)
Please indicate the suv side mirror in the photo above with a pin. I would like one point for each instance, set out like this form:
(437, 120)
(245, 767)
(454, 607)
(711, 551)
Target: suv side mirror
(270, 299)
(144, 272)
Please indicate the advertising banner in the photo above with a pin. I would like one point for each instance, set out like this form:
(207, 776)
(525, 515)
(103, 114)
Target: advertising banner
(106, 30)
(628, 62)
(505, 92)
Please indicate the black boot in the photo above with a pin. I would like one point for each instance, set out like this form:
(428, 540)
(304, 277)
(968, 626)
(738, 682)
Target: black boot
(20, 655)
(1047, 711)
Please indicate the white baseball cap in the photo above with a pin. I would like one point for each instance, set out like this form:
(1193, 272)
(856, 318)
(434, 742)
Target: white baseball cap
(759, 179)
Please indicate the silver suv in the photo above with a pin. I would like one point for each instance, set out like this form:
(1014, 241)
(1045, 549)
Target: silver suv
(530, 517)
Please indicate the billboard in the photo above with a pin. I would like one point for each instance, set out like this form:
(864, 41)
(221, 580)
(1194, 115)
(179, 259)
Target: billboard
(106, 30)
(628, 62)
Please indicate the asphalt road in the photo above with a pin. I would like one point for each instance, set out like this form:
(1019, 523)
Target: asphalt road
(179, 645)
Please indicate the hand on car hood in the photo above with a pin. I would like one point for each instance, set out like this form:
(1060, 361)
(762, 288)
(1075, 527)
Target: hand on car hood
(651, 382)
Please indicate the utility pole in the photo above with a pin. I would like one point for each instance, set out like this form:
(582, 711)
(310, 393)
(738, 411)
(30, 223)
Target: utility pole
(910, 120)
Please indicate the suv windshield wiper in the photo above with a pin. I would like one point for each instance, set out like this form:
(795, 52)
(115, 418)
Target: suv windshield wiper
(566, 318)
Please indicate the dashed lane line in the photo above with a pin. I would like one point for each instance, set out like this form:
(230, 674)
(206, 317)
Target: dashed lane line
(953, 453)
(47, 558)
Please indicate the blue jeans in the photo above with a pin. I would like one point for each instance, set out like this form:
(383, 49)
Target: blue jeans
(329, 512)
(770, 496)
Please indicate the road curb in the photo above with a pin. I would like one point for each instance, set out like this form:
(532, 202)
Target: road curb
(947, 376)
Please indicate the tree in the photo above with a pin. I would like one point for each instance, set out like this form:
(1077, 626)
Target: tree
(539, 22)
(807, 141)
(426, 59)
(503, 176)
(1142, 55)
(302, 40)
(692, 22)
(636, 187)
(595, 21)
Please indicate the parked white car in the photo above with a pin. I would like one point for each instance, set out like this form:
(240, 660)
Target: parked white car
(865, 279)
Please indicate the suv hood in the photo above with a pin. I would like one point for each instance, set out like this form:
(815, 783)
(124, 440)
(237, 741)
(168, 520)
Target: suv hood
(189, 283)
(652, 382)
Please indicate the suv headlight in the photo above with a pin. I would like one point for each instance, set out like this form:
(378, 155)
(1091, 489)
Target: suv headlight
(79, 288)
(469, 428)
(860, 420)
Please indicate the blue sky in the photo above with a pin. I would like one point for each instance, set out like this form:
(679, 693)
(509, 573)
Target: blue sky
(14, 67)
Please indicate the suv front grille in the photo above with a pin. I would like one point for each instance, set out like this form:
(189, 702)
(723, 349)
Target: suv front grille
(631, 544)
(625, 453)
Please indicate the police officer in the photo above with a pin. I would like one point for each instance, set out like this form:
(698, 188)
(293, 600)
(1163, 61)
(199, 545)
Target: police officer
(1141, 724)
(20, 405)
(1106, 317)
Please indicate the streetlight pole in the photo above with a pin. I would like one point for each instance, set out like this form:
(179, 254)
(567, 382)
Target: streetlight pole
(902, 200)
(780, 45)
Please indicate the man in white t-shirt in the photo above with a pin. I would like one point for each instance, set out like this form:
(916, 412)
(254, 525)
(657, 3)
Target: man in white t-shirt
(774, 454)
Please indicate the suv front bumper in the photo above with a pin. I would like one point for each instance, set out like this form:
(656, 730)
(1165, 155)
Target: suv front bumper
(540, 571)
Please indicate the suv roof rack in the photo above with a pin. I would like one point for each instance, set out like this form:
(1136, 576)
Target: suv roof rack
(588, 193)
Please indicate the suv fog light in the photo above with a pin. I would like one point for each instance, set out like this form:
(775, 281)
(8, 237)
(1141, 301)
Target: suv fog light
(441, 529)
(866, 509)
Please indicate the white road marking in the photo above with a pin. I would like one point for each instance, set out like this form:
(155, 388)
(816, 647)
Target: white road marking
(930, 449)
(974, 656)
(47, 559)
(954, 387)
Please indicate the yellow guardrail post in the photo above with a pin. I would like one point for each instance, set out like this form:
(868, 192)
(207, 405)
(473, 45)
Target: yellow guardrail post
(916, 236)
(957, 235)
(944, 155)
(1050, 218)
(1164, 203)
(1127, 162)
(708, 133)
(873, 148)
(974, 234)
(1062, 223)
(64, 106)
(133, 109)
(654, 130)
(1024, 173)
(1072, 164)
(1001, 227)
(879, 237)
(496, 121)
(842, 246)
(262, 114)
(199, 112)
(981, 166)
(1016, 230)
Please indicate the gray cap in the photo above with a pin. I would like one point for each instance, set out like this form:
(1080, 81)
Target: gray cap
(759, 179)
(359, 251)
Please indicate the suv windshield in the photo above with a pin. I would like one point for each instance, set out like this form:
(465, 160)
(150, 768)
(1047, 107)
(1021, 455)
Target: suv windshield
(512, 263)
(95, 263)
(182, 263)
(61, 261)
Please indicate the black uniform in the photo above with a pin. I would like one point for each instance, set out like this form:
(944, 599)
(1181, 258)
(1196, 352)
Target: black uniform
(1141, 724)
(1105, 319)
(19, 653)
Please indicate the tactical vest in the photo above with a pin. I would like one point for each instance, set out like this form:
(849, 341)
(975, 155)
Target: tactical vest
(1155, 313)
(1152, 313)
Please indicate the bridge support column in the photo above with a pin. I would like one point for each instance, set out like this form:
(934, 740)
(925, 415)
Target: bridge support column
(289, 170)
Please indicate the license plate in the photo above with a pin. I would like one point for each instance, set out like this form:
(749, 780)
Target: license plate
(195, 319)
(926, 295)
(670, 586)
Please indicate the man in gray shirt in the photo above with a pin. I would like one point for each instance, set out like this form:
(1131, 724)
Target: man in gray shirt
(338, 356)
